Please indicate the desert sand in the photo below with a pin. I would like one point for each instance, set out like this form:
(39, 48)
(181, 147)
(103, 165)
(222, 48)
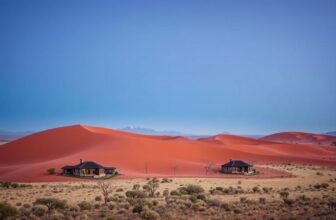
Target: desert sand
(135, 155)
(301, 138)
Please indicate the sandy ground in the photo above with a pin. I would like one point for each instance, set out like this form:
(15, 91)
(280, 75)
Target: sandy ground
(74, 192)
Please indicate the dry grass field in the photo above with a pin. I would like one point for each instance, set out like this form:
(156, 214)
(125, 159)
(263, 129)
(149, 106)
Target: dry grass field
(309, 194)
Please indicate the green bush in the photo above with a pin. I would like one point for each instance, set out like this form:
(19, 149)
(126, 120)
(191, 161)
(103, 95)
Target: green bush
(40, 210)
(137, 208)
(135, 194)
(51, 203)
(84, 205)
(191, 189)
(51, 170)
(149, 214)
(6, 210)
(284, 194)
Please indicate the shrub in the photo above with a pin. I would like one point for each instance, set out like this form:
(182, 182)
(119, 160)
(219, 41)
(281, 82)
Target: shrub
(51, 170)
(51, 203)
(149, 214)
(6, 210)
(136, 186)
(201, 197)
(40, 210)
(262, 200)
(120, 190)
(151, 186)
(14, 185)
(243, 199)
(56, 216)
(288, 201)
(74, 208)
(214, 202)
(84, 205)
(6, 184)
(191, 189)
(165, 193)
(256, 189)
(98, 198)
(135, 194)
(284, 194)
(137, 208)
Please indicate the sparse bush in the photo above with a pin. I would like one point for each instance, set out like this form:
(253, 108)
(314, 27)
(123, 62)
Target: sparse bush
(51, 170)
(149, 214)
(214, 202)
(191, 189)
(51, 203)
(136, 186)
(135, 194)
(56, 216)
(288, 201)
(137, 208)
(151, 186)
(243, 199)
(256, 189)
(262, 200)
(284, 194)
(98, 198)
(120, 190)
(84, 205)
(6, 210)
(166, 193)
(40, 210)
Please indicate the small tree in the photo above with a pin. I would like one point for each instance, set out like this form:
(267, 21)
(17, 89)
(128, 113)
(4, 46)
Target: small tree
(151, 186)
(51, 170)
(106, 189)
(207, 166)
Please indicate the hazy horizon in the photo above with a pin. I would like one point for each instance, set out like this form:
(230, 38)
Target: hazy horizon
(191, 66)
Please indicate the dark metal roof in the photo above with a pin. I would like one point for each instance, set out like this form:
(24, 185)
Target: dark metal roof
(236, 163)
(87, 165)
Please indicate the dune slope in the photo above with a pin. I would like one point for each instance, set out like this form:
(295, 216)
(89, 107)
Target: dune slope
(301, 138)
(134, 155)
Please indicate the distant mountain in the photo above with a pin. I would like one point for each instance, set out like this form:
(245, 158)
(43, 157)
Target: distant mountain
(13, 135)
(149, 131)
(332, 133)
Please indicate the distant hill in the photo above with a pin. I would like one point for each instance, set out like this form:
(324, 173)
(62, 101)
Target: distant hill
(301, 138)
(13, 135)
(332, 133)
(28, 158)
(149, 131)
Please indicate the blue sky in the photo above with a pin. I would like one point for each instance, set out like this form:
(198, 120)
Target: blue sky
(193, 66)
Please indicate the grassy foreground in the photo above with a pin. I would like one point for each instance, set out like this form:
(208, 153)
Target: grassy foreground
(310, 194)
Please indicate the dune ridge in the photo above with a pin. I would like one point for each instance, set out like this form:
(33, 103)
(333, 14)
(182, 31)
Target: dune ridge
(27, 159)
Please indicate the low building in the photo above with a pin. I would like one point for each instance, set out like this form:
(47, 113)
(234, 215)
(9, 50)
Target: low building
(237, 167)
(88, 169)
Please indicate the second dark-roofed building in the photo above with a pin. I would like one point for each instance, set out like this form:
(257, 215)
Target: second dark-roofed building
(88, 169)
(237, 167)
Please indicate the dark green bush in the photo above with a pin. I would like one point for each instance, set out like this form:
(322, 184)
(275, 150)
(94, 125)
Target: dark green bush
(84, 205)
(6, 210)
(51, 170)
(191, 189)
(135, 194)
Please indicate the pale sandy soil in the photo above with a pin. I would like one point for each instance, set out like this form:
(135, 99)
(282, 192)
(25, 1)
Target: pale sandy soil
(75, 192)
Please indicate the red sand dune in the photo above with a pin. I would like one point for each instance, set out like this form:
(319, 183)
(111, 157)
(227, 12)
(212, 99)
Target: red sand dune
(28, 158)
(301, 138)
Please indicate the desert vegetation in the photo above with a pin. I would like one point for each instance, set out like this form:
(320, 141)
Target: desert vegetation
(304, 196)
